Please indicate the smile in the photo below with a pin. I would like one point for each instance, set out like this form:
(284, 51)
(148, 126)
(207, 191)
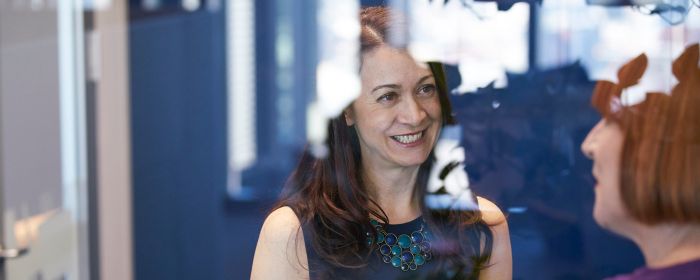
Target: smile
(408, 138)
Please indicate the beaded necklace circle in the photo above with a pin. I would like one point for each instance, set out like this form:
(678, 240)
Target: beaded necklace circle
(406, 252)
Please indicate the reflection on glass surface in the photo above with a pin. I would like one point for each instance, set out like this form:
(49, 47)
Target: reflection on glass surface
(483, 42)
(521, 140)
(337, 73)
(603, 38)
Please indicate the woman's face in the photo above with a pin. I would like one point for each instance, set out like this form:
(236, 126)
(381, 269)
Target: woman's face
(397, 115)
(604, 146)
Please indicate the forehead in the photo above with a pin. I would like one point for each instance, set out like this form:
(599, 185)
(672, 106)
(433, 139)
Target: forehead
(389, 65)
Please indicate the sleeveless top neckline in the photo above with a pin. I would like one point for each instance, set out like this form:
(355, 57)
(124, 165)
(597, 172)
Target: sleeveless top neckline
(375, 269)
(403, 227)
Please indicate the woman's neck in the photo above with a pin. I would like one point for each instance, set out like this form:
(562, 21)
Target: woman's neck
(393, 189)
(668, 244)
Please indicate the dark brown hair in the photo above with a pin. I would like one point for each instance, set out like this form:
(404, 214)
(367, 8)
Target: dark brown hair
(660, 166)
(331, 200)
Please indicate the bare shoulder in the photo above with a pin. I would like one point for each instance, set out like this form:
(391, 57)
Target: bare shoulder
(490, 212)
(500, 263)
(280, 252)
(281, 223)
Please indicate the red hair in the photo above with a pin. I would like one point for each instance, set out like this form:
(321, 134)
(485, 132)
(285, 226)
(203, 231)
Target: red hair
(660, 172)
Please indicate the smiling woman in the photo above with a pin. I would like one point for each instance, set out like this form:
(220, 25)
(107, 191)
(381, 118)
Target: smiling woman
(360, 213)
(397, 118)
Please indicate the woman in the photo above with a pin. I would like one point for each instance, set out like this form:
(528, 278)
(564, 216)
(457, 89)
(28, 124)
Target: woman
(646, 161)
(344, 216)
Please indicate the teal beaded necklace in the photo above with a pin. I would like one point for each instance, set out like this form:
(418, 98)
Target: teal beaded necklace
(406, 252)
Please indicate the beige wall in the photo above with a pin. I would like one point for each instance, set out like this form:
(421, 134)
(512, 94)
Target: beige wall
(110, 48)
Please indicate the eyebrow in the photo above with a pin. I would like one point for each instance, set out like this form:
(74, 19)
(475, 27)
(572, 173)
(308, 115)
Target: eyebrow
(424, 78)
(395, 86)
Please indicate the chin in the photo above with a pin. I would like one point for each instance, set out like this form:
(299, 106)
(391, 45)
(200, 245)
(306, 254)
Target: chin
(610, 221)
(409, 163)
(599, 215)
(599, 220)
(413, 161)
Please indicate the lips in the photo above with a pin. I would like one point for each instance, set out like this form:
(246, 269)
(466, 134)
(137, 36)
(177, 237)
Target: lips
(595, 178)
(408, 139)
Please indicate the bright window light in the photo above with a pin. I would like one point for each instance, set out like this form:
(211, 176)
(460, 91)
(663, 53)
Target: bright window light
(241, 89)
(191, 5)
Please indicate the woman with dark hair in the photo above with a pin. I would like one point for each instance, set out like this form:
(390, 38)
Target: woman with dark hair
(646, 162)
(360, 212)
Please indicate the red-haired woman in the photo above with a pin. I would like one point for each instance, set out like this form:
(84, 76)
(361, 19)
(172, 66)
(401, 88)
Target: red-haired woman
(647, 167)
(360, 212)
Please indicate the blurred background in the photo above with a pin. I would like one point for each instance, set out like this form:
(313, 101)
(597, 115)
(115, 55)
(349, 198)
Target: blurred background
(148, 139)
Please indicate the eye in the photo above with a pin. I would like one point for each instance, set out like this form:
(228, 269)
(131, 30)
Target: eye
(387, 97)
(426, 90)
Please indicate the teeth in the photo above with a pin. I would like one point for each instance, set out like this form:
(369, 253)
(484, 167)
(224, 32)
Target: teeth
(408, 139)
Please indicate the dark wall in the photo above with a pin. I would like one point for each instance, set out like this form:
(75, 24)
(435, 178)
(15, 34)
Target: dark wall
(178, 102)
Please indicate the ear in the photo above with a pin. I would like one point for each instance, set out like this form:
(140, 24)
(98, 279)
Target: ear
(349, 116)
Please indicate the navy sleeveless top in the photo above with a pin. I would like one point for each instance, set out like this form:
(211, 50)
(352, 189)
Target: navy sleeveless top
(375, 268)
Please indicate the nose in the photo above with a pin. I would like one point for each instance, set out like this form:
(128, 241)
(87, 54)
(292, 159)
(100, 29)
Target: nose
(588, 145)
(412, 113)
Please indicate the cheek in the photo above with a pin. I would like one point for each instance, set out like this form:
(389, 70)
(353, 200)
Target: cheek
(608, 199)
(432, 107)
(375, 121)
(608, 210)
(613, 166)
